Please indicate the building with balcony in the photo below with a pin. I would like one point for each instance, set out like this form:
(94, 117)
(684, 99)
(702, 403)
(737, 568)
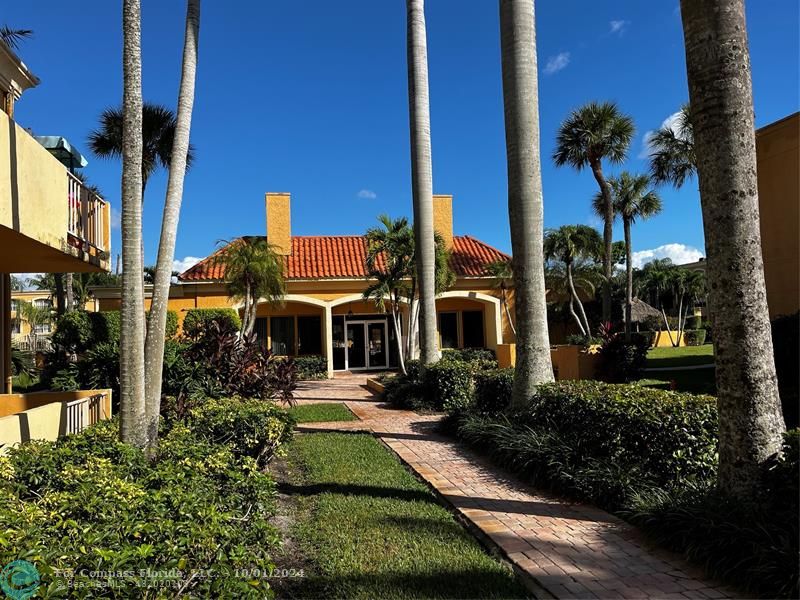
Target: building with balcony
(50, 223)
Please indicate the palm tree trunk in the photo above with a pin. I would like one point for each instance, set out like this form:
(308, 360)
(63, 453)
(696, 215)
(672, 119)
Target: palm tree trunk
(626, 223)
(157, 321)
(133, 422)
(60, 298)
(575, 315)
(422, 178)
(608, 235)
(573, 296)
(525, 208)
(398, 334)
(508, 311)
(721, 97)
(69, 292)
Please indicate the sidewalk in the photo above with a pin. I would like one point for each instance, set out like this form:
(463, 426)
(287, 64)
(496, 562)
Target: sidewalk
(564, 549)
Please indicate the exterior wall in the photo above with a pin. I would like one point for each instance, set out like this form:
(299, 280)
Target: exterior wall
(279, 225)
(778, 152)
(443, 217)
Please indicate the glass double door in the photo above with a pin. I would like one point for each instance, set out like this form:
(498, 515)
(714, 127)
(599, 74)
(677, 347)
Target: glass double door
(367, 345)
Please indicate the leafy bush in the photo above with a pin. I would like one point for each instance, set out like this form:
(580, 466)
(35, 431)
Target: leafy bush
(479, 359)
(600, 441)
(106, 326)
(171, 329)
(695, 337)
(78, 331)
(250, 427)
(577, 339)
(311, 367)
(786, 347)
(622, 361)
(197, 319)
(403, 392)
(448, 385)
(197, 505)
(493, 391)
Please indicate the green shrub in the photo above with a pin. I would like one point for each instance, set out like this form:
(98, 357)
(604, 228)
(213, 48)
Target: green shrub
(171, 329)
(448, 385)
(311, 367)
(197, 319)
(493, 391)
(106, 326)
(403, 392)
(88, 503)
(74, 331)
(577, 339)
(622, 360)
(695, 337)
(250, 427)
(479, 359)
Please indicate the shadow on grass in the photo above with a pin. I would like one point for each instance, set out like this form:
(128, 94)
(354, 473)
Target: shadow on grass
(313, 489)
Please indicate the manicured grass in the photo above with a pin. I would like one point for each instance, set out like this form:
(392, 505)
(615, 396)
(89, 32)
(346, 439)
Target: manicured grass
(320, 413)
(371, 530)
(683, 356)
(697, 381)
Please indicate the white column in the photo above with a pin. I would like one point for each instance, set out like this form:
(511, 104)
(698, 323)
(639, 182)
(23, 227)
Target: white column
(327, 329)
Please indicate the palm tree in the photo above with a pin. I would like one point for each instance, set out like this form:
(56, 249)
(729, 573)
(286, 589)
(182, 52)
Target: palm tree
(35, 316)
(253, 271)
(633, 199)
(178, 163)
(593, 133)
(13, 37)
(570, 244)
(422, 178)
(583, 278)
(133, 424)
(686, 286)
(158, 134)
(672, 159)
(503, 273)
(525, 207)
(390, 263)
(721, 97)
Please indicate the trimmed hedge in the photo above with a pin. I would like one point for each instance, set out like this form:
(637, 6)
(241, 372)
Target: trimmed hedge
(311, 367)
(89, 503)
(78, 330)
(493, 390)
(695, 337)
(622, 361)
(448, 385)
(197, 319)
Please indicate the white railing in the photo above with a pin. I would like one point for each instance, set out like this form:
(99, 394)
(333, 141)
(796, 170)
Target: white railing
(84, 412)
(86, 214)
(39, 342)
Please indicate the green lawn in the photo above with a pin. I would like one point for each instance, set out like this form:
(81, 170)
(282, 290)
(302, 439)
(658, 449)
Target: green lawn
(320, 413)
(372, 530)
(697, 381)
(683, 356)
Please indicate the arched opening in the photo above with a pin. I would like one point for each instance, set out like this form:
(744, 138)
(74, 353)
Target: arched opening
(468, 320)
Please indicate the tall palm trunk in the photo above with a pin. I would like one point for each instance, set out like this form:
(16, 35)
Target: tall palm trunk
(69, 291)
(720, 94)
(422, 178)
(608, 235)
(60, 297)
(157, 321)
(133, 421)
(626, 224)
(525, 207)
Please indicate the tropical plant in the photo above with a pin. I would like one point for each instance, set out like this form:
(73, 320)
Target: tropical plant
(652, 281)
(633, 199)
(178, 163)
(686, 287)
(158, 134)
(525, 207)
(503, 273)
(253, 272)
(672, 159)
(570, 244)
(129, 144)
(721, 97)
(35, 316)
(12, 37)
(422, 178)
(593, 133)
(586, 276)
(17, 283)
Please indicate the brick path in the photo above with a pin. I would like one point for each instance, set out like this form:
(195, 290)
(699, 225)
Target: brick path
(563, 549)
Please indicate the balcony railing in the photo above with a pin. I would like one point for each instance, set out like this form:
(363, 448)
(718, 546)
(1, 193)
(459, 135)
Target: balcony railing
(86, 216)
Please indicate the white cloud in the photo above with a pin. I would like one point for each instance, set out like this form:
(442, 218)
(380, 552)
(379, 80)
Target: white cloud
(116, 218)
(680, 254)
(367, 194)
(180, 265)
(556, 63)
(618, 26)
(671, 122)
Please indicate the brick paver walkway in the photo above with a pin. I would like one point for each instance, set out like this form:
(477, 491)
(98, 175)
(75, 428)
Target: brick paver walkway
(563, 549)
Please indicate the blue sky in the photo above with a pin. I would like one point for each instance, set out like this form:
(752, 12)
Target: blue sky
(310, 97)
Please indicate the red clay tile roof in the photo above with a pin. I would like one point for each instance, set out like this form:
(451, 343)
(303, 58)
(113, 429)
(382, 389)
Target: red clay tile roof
(342, 257)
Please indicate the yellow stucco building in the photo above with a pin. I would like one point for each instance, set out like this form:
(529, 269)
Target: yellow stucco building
(324, 312)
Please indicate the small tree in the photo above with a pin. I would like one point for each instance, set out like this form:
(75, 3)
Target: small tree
(35, 316)
(253, 272)
(501, 270)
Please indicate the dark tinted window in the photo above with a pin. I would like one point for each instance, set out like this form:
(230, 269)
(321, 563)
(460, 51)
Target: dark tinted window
(309, 335)
(282, 333)
(472, 325)
(448, 329)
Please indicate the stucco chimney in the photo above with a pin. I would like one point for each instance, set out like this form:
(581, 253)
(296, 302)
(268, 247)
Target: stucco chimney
(443, 217)
(279, 223)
